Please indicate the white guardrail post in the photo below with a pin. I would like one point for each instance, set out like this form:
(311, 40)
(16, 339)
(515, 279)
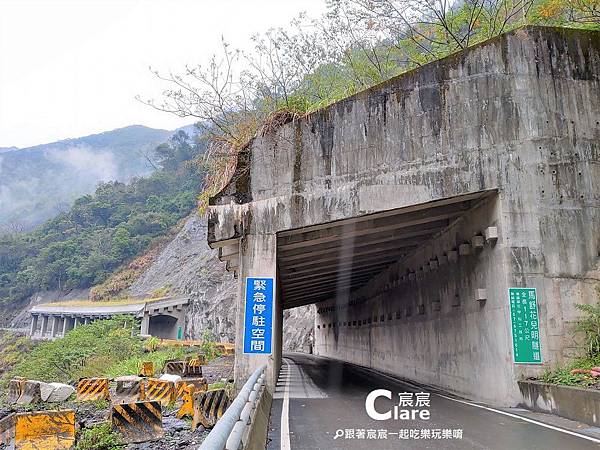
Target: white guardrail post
(229, 430)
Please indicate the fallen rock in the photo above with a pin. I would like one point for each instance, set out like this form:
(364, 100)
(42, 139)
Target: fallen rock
(169, 377)
(61, 392)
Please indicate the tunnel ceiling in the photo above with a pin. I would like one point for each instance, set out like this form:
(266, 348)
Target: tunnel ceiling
(318, 261)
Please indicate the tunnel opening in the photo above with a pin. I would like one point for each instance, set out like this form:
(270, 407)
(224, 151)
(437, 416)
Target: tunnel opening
(404, 291)
(164, 327)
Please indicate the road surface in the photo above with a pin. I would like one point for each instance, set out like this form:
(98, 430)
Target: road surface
(319, 403)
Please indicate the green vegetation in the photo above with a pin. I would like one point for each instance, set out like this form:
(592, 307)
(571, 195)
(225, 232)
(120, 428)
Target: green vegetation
(589, 326)
(86, 351)
(100, 437)
(208, 348)
(104, 348)
(315, 62)
(12, 349)
(85, 245)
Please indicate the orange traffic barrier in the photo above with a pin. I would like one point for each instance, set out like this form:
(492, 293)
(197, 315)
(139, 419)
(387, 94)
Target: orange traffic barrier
(138, 421)
(48, 430)
(147, 369)
(91, 389)
(187, 408)
(162, 391)
(209, 407)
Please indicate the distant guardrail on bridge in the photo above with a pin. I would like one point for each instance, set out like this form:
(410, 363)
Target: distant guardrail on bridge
(235, 424)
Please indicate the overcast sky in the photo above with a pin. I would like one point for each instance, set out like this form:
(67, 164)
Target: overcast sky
(72, 68)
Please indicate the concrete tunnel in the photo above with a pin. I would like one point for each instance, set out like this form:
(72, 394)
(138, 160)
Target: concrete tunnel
(410, 212)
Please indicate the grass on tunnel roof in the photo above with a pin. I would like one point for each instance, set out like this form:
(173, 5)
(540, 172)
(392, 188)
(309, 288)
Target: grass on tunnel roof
(114, 302)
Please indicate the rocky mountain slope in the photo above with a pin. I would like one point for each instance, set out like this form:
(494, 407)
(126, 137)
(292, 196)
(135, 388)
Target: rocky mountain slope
(38, 182)
(188, 266)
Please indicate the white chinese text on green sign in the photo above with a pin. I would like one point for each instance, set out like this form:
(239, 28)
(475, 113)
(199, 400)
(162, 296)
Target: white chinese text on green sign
(525, 326)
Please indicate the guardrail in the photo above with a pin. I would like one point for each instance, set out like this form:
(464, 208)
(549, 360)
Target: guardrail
(231, 427)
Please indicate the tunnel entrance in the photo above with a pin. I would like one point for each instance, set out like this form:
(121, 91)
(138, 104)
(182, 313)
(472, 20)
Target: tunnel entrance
(417, 292)
(164, 327)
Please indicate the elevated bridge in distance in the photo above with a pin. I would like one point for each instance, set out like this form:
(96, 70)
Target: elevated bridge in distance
(164, 318)
(434, 219)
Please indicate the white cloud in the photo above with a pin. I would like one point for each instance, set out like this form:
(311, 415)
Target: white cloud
(73, 67)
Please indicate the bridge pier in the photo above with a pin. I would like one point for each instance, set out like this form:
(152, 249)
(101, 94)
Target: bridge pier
(257, 258)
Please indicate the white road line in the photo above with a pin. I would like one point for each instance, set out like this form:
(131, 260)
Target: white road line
(285, 412)
(515, 416)
(526, 419)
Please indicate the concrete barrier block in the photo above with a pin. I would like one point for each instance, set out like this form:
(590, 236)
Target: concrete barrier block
(478, 242)
(452, 256)
(464, 249)
(491, 234)
(138, 422)
(481, 294)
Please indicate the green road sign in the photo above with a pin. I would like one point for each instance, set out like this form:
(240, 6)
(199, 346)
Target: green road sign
(525, 326)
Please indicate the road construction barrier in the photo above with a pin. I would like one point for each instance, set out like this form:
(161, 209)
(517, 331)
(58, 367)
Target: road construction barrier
(187, 407)
(238, 418)
(162, 391)
(147, 369)
(174, 367)
(192, 368)
(7, 430)
(15, 389)
(225, 348)
(199, 384)
(209, 407)
(138, 421)
(47, 430)
(31, 393)
(91, 389)
(129, 389)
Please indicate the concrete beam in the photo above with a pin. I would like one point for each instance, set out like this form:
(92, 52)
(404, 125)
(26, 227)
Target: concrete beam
(336, 282)
(366, 238)
(360, 261)
(415, 209)
(374, 225)
(349, 253)
(318, 273)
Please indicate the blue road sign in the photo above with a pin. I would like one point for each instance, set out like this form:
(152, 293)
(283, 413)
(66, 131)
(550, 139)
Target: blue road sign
(258, 319)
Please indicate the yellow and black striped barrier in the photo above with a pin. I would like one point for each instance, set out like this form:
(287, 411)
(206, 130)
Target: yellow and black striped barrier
(91, 389)
(187, 407)
(129, 389)
(147, 369)
(162, 391)
(48, 430)
(192, 368)
(209, 407)
(138, 421)
(174, 367)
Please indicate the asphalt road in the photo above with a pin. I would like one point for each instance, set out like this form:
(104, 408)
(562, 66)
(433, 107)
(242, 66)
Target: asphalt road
(318, 399)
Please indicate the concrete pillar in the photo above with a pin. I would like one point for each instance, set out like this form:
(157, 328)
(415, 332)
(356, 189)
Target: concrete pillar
(75, 322)
(86, 320)
(54, 332)
(258, 258)
(145, 324)
(34, 324)
(44, 328)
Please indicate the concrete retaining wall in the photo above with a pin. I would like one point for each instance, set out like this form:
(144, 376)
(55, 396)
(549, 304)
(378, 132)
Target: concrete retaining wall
(518, 115)
(582, 405)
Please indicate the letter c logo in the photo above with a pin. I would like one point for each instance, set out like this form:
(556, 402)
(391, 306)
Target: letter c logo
(370, 404)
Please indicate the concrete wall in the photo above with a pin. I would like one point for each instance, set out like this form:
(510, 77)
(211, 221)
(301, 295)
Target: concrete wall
(430, 327)
(519, 114)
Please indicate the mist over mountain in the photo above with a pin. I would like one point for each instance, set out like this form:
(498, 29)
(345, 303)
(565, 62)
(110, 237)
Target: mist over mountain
(36, 183)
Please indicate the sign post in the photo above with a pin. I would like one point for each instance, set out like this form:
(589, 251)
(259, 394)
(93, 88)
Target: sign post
(258, 315)
(525, 326)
